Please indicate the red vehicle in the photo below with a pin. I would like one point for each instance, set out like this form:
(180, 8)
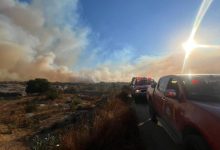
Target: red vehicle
(139, 86)
(188, 106)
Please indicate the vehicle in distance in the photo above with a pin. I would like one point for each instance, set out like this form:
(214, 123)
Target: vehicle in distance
(139, 86)
(188, 106)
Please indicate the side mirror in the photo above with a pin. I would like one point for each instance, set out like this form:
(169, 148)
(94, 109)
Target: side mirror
(132, 85)
(171, 93)
(153, 85)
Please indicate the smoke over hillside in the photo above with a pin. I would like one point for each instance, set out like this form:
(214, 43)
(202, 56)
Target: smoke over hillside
(37, 40)
(44, 39)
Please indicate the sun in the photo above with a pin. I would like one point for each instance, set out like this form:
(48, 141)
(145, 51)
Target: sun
(189, 45)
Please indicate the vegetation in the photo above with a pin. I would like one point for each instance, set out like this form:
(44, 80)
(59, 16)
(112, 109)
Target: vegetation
(50, 142)
(30, 107)
(23, 122)
(110, 125)
(52, 94)
(114, 127)
(37, 86)
(123, 95)
(75, 103)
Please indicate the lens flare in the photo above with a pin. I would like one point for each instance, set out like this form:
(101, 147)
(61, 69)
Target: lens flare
(190, 44)
(209, 46)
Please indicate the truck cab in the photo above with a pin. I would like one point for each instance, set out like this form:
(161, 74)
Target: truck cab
(188, 106)
(139, 87)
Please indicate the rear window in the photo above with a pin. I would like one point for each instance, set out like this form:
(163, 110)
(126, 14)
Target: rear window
(202, 88)
(163, 84)
(143, 82)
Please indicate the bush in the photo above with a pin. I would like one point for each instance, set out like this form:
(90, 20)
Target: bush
(37, 86)
(75, 103)
(52, 94)
(50, 142)
(70, 90)
(123, 95)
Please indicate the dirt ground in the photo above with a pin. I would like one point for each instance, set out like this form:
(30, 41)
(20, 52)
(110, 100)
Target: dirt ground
(20, 119)
(32, 117)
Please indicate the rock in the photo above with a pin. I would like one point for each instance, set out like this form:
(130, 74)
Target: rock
(29, 115)
(68, 100)
(5, 129)
(56, 104)
(42, 105)
(66, 106)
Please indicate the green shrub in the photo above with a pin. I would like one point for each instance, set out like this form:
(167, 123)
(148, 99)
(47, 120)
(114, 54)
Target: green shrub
(52, 94)
(75, 103)
(50, 142)
(37, 86)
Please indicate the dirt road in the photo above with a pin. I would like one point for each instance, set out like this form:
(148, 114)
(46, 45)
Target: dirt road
(154, 137)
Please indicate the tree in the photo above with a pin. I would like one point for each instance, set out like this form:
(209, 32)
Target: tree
(37, 86)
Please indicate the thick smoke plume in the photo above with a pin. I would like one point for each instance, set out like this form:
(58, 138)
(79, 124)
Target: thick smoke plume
(43, 40)
(199, 62)
(39, 40)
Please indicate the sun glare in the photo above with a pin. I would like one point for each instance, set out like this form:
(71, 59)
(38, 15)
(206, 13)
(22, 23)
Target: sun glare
(189, 45)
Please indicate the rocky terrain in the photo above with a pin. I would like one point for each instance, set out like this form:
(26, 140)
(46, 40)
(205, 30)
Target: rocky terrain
(12, 89)
(24, 118)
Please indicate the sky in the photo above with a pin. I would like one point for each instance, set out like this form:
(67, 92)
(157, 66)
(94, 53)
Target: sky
(103, 40)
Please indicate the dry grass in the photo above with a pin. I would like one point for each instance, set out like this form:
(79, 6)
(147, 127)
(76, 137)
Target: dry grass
(113, 128)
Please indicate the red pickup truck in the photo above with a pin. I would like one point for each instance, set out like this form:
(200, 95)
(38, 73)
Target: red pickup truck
(139, 86)
(188, 106)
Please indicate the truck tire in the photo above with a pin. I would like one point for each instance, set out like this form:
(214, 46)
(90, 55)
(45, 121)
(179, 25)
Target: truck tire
(195, 142)
(153, 114)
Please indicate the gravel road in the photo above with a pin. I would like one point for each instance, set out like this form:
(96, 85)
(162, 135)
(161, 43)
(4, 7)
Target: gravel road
(153, 136)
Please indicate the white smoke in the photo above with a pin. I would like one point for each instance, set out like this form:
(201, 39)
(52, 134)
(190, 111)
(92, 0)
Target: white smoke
(43, 39)
(40, 39)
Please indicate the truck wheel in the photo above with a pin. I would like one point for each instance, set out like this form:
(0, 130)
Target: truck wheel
(152, 114)
(195, 142)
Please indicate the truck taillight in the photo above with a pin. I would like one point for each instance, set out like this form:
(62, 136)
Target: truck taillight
(195, 81)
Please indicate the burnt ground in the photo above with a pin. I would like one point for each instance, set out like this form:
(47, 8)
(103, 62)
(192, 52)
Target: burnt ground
(153, 136)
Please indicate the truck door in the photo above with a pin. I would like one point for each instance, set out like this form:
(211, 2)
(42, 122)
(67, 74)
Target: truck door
(172, 104)
(159, 98)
